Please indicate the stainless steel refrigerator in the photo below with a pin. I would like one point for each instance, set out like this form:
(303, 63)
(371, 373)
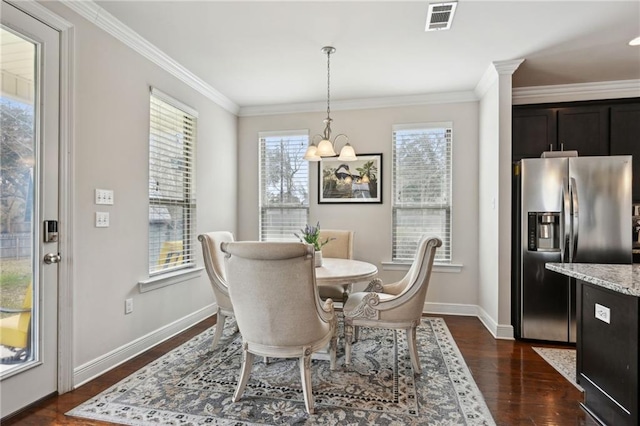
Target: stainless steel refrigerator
(575, 209)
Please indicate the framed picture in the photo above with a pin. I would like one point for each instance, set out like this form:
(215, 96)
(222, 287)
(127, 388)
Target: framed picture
(357, 181)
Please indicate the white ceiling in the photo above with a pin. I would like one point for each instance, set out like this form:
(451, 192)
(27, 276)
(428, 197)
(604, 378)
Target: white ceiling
(268, 53)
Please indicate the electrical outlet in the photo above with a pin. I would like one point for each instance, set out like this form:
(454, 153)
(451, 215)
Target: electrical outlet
(128, 306)
(104, 196)
(102, 219)
(603, 313)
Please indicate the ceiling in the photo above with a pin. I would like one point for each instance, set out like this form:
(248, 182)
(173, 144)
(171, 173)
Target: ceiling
(269, 53)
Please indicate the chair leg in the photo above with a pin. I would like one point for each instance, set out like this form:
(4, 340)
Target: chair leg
(333, 346)
(305, 375)
(348, 335)
(219, 329)
(413, 350)
(245, 372)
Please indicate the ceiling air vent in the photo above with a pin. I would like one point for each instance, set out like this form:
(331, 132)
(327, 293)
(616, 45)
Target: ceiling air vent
(440, 16)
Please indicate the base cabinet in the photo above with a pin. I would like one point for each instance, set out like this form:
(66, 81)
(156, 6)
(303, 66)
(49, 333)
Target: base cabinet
(607, 353)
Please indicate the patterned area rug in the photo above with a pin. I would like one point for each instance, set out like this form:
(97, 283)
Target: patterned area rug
(563, 360)
(193, 385)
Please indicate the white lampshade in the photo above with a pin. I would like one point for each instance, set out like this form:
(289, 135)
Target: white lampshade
(347, 153)
(312, 153)
(325, 149)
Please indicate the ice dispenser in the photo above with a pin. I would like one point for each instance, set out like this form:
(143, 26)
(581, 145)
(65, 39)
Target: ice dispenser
(544, 231)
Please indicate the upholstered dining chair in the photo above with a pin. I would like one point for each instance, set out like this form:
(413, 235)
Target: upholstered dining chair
(279, 314)
(15, 330)
(214, 264)
(399, 307)
(340, 246)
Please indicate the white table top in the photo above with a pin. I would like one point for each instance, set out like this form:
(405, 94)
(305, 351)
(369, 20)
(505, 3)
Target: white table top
(344, 271)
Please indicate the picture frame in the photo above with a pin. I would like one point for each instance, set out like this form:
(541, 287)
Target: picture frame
(357, 181)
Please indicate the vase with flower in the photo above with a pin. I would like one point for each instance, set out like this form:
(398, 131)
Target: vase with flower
(311, 235)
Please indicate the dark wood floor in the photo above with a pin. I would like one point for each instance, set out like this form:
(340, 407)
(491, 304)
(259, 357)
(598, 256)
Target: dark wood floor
(519, 387)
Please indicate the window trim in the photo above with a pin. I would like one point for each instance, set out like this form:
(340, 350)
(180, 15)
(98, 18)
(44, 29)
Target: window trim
(284, 134)
(444, 265)
(188, 203)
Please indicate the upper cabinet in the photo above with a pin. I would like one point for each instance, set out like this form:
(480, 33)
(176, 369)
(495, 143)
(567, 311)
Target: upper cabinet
(610, 127)
(584, 129)
(535, 130)
(625, 138)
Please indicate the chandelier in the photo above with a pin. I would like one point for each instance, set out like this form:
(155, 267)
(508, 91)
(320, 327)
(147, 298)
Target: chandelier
(326, 148)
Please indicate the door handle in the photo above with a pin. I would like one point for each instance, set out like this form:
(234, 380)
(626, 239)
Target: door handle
(50, 258)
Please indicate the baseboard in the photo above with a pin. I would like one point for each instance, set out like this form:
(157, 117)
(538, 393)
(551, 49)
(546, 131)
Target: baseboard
(450, 309)
(94, 368)
(498, 331)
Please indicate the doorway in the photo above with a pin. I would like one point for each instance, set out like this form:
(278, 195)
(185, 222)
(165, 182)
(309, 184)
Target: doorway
(29, 255)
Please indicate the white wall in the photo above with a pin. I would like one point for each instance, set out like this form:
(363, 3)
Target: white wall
(489, 197)
(495, 198)
(369, 131)
(111, 128)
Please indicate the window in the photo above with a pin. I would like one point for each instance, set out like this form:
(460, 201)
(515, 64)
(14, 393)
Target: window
(172, 203)
(421, 188)
(284, 184)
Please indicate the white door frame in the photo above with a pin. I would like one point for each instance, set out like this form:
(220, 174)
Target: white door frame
(66, 190)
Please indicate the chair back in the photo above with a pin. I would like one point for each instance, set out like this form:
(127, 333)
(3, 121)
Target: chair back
(273, 291)
(213, 259)
(340, 245)
(416, 281)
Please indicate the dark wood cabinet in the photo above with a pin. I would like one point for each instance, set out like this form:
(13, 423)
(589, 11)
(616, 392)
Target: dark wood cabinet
(584, 129)
(608, 127)
(625, 138)
(607, 353)
(534, 131)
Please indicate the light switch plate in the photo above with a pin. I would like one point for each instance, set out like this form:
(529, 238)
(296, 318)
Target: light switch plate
(102, 219)
(104, 196)
(603, 313)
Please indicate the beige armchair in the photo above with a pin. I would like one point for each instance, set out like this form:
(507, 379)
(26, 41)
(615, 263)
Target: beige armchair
(275, 299)
(399, 307)
(340, 246)
(214, 264)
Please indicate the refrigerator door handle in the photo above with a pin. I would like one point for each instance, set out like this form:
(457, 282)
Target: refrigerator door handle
(565, 222)
(574, 219)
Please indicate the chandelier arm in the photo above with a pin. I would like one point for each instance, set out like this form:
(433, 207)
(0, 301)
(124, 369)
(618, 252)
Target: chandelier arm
(335, 140)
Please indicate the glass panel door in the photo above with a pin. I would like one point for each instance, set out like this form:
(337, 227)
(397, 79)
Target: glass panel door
(29, 167)
(17, 114)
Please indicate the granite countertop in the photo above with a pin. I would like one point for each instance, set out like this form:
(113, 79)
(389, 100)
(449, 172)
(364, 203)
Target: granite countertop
(623, 279)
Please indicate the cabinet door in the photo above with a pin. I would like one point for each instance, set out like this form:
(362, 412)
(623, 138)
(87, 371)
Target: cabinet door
(534, 131)
(625, 138)
(608, 353)
(584, 129)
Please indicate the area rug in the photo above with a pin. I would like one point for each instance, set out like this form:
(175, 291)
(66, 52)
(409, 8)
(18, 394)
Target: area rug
(563, 360)
(194, 385)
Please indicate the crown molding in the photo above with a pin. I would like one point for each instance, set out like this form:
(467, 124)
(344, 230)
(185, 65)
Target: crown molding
(354, 104)
(492, 73)
(104, 20)
(577, 92)
(41, 13)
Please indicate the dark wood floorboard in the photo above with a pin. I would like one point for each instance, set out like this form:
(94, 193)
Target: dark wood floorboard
(519, 387)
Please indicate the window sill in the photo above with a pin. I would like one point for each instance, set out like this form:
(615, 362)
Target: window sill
(171, 278)
(437, 267)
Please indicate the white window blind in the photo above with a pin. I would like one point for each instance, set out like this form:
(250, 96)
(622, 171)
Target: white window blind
(421, 188)
(284, 184)
(172, 196)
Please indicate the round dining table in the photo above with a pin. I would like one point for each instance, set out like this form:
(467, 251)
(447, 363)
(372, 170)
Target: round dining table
(344, 271)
